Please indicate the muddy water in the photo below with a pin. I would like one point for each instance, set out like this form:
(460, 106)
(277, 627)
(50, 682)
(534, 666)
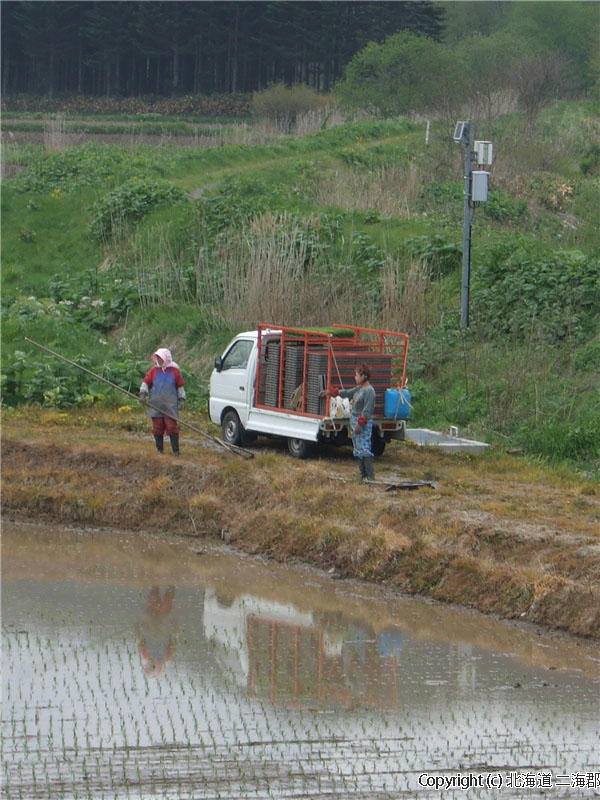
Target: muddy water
(135, 668)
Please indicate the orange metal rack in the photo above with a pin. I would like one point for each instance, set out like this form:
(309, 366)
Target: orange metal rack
(295, 364)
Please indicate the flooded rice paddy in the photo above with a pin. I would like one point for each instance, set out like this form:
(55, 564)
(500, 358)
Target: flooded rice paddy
(137, 668)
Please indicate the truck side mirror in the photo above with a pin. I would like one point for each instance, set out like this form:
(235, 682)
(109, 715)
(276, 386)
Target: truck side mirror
(218, 363)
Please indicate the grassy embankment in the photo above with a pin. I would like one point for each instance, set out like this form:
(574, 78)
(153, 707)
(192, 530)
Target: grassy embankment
(105, 256)
(500, 534)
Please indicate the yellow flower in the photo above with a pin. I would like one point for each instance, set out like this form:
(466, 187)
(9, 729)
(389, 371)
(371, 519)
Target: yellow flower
(124, 409)
(56, 194)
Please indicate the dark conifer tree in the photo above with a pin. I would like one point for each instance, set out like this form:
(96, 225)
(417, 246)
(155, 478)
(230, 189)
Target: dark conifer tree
(179, 46)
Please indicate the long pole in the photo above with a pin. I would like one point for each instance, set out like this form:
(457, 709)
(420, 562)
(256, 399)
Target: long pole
(238, 451)
(466, 259)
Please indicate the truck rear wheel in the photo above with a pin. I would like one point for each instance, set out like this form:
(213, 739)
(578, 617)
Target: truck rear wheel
(300, 448)
(377, 443)
(233, 432)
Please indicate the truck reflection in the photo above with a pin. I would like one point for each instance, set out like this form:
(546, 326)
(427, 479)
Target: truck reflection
(298, 659)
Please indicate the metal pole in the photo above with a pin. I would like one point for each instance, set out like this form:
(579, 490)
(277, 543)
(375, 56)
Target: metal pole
(238, 451)
(467, 139)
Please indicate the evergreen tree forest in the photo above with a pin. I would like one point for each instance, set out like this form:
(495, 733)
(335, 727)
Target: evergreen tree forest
(165, 48)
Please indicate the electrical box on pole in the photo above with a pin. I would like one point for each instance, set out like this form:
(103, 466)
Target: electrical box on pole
(484, 153)
(479, 188)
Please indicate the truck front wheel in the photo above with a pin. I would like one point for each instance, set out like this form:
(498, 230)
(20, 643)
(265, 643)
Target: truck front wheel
(300, 448)
(233, 433)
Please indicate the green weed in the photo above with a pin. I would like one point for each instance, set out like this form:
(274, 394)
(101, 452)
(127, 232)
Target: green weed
(117, 211)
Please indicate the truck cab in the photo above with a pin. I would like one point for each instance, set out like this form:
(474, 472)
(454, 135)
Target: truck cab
(232, 384)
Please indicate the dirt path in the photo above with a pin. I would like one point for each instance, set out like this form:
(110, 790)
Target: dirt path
(196, 193)
(497, 533)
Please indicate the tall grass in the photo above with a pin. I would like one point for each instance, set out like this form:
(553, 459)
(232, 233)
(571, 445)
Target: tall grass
(160, 275)
(410, 301)
(393, 189)
(259, 273)
(7, 154)
(318, 119)
(57, 137)
(272, 270)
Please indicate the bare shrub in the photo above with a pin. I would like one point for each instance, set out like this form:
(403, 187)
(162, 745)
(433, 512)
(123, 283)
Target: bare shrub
(489, 105)
(283, 106)
(539, 79)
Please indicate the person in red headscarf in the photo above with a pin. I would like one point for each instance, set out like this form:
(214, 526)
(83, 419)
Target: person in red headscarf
(157, 632)
(164, 383)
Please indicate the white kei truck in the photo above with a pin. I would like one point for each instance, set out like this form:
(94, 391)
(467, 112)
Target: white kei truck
(270, 381)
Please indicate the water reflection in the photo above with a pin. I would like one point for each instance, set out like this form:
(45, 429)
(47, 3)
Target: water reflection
(133, 668)
(157, 630)
(300, 659)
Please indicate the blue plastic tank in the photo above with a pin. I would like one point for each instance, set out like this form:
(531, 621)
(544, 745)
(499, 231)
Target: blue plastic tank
(396, 404)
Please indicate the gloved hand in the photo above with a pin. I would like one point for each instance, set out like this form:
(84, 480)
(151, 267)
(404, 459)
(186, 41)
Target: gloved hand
(333, 391)
(181, 404)
(361, 421)
(143, 397)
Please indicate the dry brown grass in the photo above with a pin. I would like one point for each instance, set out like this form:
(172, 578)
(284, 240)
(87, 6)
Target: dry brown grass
(57, 138)
(273, 252)
(410, 301)
(318, 119)
(392, 190)
(8, 147)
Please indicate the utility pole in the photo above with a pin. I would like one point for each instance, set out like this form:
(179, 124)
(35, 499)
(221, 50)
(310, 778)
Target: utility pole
(475, 191)
(466, 139)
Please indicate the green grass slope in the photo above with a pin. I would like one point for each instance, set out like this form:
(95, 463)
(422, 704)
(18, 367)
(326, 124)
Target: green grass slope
(110, 251)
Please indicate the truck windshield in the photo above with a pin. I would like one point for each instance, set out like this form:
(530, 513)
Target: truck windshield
(238, 355)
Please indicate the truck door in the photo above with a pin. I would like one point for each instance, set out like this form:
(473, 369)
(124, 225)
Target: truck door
(231, 386)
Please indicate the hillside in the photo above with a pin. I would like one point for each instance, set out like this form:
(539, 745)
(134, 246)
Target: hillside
(111, 249)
